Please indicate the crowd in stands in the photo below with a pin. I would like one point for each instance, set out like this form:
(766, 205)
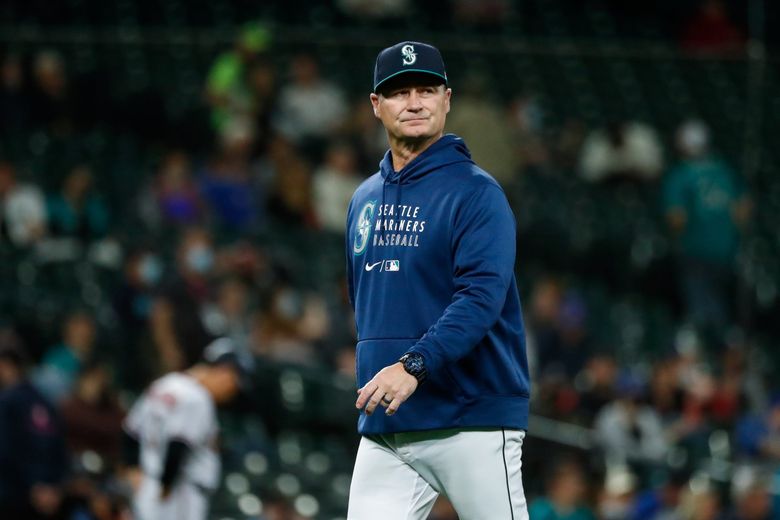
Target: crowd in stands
(244, 240)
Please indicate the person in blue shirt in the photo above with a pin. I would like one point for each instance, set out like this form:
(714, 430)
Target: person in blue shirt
(441, 345)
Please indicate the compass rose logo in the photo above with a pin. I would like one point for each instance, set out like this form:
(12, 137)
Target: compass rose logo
(363, 228)
(409, 55)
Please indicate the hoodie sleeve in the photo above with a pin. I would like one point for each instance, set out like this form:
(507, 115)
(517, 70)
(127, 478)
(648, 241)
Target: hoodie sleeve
(483, 249)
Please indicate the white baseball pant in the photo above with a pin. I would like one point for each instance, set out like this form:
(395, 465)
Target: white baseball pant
(399, 476)
(186, 501)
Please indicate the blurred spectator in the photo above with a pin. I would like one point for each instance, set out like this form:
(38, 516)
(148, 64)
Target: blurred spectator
(568, 144)
(230, 315)
(13, 98)
(558, 323)
(700, 503)
(229, 84)
(33, 460)
(480, 121)
(52, 107)
(173, 197)
(758, 435)
(732, 387)
(565, 494)
(618, 494)
(264, 91)
(683, 391)
(711, 29)
(596, 385)
(132, 302)
(368, 133)
(333, 185)
(574, 344)
(751, 496)
(247, 263)
(226, 181)
(663, 502)
(22, 209)
(290, 326)
(625, 151)
(627, 429)
(93, 417)
(290, 200)
(526, 127)
(545, 307)
(269, 166)
(77, 211)
(178, 331)
(310, 107)
(666, 394)
(553, 358)
(705, 206)
(62, 363)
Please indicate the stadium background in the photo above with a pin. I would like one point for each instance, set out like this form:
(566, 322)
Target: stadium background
(146, 135)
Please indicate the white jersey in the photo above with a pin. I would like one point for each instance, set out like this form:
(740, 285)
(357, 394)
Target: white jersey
(177, 407)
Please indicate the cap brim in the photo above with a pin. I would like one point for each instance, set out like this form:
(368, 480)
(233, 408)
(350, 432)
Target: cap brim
(407, 71)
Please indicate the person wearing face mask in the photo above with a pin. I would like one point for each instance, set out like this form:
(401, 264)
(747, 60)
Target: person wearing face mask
(177, 326)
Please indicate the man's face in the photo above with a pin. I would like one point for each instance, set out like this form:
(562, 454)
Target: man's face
(413, 108)
(226, 383)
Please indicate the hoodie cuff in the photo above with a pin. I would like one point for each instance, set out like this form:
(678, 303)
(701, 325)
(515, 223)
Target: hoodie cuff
(433, 362)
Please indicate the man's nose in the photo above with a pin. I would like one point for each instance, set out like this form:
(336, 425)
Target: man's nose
(414, 102)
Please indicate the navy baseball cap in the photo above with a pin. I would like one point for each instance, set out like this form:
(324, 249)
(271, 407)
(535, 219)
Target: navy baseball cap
(407, 57)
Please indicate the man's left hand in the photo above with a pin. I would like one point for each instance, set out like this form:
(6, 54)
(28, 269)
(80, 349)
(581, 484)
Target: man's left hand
(390, 387)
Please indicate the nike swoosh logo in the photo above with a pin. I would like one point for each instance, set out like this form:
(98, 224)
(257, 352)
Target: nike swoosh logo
(371, 266)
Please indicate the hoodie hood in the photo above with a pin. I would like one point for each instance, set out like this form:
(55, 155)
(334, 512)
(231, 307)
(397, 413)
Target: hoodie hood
(449, 149)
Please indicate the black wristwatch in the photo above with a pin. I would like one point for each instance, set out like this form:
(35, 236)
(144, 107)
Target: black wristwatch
(414, 364)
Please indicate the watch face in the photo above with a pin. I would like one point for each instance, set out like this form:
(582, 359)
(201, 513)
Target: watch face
(414, 363)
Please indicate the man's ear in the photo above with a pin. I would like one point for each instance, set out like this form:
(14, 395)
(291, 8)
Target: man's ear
(448, 96)
(375, 104)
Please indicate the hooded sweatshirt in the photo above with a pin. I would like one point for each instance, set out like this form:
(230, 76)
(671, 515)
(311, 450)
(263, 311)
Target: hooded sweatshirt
(430, 269)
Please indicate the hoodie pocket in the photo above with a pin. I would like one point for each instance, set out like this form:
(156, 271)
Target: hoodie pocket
(375, 354)
(372, 355)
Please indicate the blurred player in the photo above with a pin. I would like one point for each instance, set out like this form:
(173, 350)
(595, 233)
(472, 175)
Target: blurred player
(175, 426)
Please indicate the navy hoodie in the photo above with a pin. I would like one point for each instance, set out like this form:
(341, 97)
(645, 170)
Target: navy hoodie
(430, 268)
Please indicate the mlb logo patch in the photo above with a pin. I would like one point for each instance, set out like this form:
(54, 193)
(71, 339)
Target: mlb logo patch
(392, 265)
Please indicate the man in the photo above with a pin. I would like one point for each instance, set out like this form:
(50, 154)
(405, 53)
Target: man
(175, 425)
(441, 348)
(33, 458)
(707, 209)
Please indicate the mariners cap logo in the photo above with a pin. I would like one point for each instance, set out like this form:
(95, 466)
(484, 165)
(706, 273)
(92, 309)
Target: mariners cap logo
(407, 51)
(416, 58)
